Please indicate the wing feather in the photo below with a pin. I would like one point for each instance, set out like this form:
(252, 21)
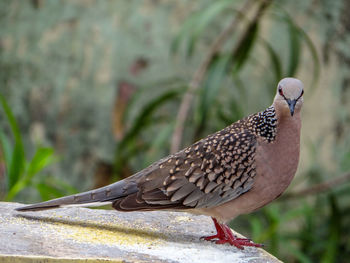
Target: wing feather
(211, 172)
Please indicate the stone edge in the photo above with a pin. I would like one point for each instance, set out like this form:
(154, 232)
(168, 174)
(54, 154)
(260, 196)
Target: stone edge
(47, 259)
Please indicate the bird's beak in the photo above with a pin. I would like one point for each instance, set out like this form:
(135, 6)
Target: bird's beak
(291, 104)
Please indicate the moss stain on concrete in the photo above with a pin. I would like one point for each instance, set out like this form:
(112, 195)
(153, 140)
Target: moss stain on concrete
(107, 236)
(113, 234)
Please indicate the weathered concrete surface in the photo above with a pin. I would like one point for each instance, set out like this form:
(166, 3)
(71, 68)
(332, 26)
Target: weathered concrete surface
(91, 235)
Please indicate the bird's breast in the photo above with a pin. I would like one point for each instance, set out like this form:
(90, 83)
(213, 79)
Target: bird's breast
(276, 163)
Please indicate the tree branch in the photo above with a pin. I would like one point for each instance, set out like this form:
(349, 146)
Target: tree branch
(318, 188)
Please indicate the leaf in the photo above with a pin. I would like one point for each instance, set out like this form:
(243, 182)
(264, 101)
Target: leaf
(51, 187)
(295, 213)
(345, 162)
(297, 253)
(334, 228)
(274, 60)
(196, 24)
(144, 118)
(184, 32)
(157, 145)
(271, 232)
(256, 228)
(212, 84)
(223, 117)
(294, 48)
(171, 83)
(201, 23)
(128, 146)
(298, 34)
(314, 56)
(236, 113)
(47, 191)
(17, 164)
(244, 47)
(65, 188)
(42, 158)
(20, 184)
(5, 148)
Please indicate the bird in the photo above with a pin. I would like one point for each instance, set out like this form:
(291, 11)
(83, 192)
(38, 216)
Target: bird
(234, 171)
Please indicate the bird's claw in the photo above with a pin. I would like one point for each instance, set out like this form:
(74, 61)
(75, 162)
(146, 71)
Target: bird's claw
(209, 238)
(240, 243)
(224, 235)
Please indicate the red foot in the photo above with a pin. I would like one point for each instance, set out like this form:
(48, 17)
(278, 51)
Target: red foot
(224, 235)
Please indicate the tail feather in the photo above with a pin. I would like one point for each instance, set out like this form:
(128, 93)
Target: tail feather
(101, 196)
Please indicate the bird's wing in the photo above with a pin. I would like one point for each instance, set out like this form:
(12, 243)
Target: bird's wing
(210, 172)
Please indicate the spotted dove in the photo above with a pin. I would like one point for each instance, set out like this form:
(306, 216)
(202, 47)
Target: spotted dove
(234, 171)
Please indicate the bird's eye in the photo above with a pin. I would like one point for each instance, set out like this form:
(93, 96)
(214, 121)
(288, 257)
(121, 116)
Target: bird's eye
(301, 94)
(280, 90)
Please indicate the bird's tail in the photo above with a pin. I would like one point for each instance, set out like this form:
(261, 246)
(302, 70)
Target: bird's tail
(101, 196)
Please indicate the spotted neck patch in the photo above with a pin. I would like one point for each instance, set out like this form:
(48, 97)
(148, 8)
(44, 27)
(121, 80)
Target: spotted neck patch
(264, 123)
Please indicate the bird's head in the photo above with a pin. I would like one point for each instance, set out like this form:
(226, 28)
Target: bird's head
(289, 96)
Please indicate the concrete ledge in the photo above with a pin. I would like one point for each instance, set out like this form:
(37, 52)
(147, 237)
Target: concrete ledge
(91, 235)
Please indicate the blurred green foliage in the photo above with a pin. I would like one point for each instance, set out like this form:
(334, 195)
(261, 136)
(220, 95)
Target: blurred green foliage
(20, 172)
(63, 63)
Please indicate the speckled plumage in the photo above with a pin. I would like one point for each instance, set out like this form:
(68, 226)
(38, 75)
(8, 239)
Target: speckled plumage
(233, 171)
(210, 172)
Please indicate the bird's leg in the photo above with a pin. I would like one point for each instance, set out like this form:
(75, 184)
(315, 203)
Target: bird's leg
(219, 231)
(224, 235)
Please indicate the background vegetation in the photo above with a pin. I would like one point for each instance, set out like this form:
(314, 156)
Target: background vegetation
(92, 91)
